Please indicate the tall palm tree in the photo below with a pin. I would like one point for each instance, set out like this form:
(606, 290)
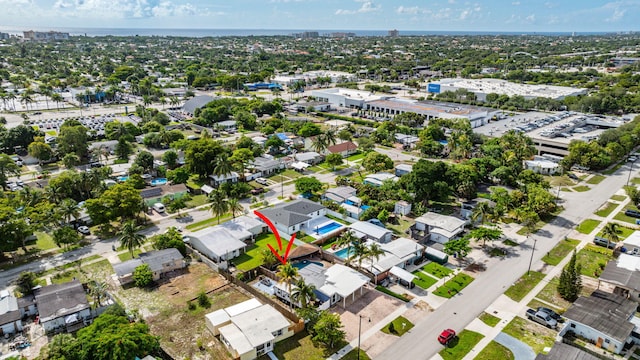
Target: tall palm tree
(57, 98)
(611, 232)
(129, 237)
(374, 251)
(223, 165)
(330, 137)
(235, 206)
(68, 208)
(346, 239)
(288, 274)
(481, 212)
(219, 203)
(98, 291)
(360, 252)
(26, 99)
(11, 96)
(303, 293)
(319, 144)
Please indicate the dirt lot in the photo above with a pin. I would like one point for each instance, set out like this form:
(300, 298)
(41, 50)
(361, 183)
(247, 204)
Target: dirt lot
(182, 331)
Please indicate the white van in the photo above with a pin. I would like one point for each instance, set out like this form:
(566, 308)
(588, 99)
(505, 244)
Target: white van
(159, 207)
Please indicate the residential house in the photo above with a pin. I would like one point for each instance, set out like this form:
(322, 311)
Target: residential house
(543, 167)
(407, 141)
(217, 180)
(379, 178)
(227, 240)
(249, 329)
(197, 102)
(345, 149)
(310, 157)
(333, 284)
(398, 254)
(160, 262)
(624, 274)
(403, 169)
(402, 208)
(63, 307)
(339, 194)
(632, 243)
(228, 125)
(440, 228)
(260, 140)
(608, 320)
(10, 315)
(265, 166)
(158, 193)
(367, 230)
(562, 351)
(298, 215)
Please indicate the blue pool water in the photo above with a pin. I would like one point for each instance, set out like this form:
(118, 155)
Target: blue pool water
(304, 263)
(328, 228)
(364, 207)
(123, 178)
(344, 253)
(158, 181)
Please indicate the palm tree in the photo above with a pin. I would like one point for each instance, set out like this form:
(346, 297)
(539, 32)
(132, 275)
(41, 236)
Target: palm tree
(129, 237)
(26, 99)
(330, 137)
(68, 208)
(98, 291)
(57, 98)
(481, 212)
(219, 203)
(303, 293)
(223, 165)
(288, 274)
(235, 206)
(11, 96)
(360, 252)
(346, 239)
(163, 101)
(319, 144)
(611, 232)
(374, 251)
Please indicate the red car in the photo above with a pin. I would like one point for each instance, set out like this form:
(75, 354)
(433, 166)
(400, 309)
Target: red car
(446, 336)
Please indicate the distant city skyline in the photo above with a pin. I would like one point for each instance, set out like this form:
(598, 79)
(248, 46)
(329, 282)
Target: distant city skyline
(319, 15)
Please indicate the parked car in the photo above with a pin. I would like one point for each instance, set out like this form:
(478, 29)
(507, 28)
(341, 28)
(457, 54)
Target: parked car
(554, 315)
(159, 207)
(446, 336)
(541, 318)
(632, 213)
(604, 242)
(84, 230)
(257, 191)
(261, 181)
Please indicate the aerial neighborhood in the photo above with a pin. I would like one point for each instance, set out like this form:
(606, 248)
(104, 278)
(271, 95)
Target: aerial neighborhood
(319, 196)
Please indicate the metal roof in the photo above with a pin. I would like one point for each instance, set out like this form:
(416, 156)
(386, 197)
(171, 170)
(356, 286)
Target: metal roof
(561, 351)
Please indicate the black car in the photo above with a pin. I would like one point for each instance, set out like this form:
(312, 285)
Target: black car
(573, 176)
(632, 213)
(554, 315)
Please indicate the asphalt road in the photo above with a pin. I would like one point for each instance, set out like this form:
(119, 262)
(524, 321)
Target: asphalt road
(420, 342)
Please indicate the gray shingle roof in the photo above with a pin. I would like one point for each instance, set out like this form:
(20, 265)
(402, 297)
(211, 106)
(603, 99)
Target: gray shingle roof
(605, 312)
(61, 299)
(292, 213)
(621, 276)
(196, 103)
(9, 310)
(561, 351)
(155, 260)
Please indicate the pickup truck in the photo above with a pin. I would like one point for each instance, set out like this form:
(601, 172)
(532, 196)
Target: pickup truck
(541, 318)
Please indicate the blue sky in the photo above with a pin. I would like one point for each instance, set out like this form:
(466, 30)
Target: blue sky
(425, 15)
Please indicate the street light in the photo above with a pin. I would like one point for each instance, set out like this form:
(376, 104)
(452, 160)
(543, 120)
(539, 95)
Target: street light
(359, 331)
(532, 251)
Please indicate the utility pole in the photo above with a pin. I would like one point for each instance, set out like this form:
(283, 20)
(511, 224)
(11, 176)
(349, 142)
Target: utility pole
(532, 251)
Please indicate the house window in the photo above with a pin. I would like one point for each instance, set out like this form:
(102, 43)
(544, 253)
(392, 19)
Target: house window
(606, 341)
(572, 325)
(277, 333)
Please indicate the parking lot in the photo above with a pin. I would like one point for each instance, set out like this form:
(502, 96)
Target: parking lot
(94, 124)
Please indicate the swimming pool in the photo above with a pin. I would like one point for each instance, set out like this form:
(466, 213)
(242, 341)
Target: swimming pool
(328, 228)
(158, 181)
(344, 253)
(304, 263)
(123, 178)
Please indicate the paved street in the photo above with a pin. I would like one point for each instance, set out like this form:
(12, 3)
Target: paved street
(420, 342)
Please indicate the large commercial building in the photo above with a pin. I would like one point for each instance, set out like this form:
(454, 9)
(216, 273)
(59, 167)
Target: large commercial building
(477, 116)
(349, 98)
(482, 87)
(45, 36)
(311, 77)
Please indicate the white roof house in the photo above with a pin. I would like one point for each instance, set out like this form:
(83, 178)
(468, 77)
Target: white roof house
(379, 178)
(249, 329)
(544, 167)
(219, 243)
(371, 231)
(632, 242)
(397, 253)
(441, 227)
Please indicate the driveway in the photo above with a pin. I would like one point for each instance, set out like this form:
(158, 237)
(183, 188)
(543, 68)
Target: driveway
(520, 350)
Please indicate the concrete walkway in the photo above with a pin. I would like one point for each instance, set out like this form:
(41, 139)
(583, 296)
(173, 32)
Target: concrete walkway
(520, 350)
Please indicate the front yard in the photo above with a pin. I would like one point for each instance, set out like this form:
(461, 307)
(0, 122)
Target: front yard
(530, 333)
(453, 286)
(560, 251)
(300, 346)
(524, 285)
(424, 281)
(461, 345)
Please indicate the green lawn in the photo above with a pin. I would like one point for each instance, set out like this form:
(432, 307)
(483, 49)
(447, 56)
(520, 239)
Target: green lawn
(593, 259)
(44, 241)
(290, 174)
(300, 346)
(453, 286)
(618, 197)
(356, 156)
(353, 355)
(489, 319)
(613, 169)
(98, 270)
(495, 351)
(127, 255)
(587, 226)
(460, 346)
(549, 294)
(596, 179)
(437, 270)
(534, 304)
(624, 232)
(424, 281)
(400, 228)
(560, 251)
(197, 200)
(606, 209)
(307, 238)
(530, 333)
(208, 222)
(581, 188)
(524, 285)
(400, 326)
(252, 258)
(635, 180)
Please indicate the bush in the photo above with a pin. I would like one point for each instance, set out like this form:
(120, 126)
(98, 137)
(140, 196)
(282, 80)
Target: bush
(191, 306)
(142, 275)
(203, 300)
(391, 293)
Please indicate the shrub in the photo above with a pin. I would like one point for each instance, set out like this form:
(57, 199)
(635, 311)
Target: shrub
(191, 306)
(203, 300)
(142, 275)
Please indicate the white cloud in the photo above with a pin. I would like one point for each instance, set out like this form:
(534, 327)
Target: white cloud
(518, 19)
(413, 10)
(515, 3)
(122, 9)
(452, 1)
(367, 7)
